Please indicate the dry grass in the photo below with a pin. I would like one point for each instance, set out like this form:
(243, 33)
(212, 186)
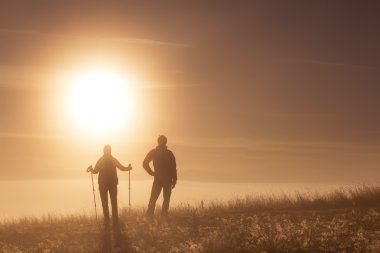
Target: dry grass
(347, 220)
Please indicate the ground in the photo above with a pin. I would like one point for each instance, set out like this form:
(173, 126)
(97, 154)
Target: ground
(340, 222)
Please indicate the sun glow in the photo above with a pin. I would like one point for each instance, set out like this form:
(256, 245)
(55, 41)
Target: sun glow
(100, 101)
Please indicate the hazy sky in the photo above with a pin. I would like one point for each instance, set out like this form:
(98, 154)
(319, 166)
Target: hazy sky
(265, 91)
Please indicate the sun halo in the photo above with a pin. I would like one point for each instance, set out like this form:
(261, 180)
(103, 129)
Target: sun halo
(100, 101)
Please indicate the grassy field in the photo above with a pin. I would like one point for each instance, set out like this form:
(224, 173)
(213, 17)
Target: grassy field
(343, 221)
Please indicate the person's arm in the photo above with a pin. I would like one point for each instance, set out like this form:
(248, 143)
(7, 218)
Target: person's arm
(121, 167)
(174, 171)
(147, 160)
(97, 167)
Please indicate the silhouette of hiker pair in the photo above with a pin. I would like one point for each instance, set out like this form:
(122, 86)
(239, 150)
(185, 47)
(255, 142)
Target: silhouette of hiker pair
(164, 173)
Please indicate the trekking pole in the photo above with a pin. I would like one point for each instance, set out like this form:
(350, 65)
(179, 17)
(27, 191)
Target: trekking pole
(129, 187)
(89, 169)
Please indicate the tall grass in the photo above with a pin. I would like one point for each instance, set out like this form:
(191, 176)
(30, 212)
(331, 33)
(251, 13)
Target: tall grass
(346, 220)
(348, 197)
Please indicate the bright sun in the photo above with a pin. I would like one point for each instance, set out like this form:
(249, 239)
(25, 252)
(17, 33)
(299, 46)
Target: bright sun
(100, 101)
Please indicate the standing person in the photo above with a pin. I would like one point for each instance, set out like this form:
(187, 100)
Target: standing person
(107, 179)
(165, 175)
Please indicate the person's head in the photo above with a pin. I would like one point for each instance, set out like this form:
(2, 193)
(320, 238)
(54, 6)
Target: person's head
(107, 149)
(162, 140)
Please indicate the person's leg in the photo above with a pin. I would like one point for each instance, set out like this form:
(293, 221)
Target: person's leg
(156, 190)
(103, 196)
(113, 197)
(167, 194)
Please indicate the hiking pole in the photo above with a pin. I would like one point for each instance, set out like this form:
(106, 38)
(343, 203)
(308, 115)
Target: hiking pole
(129, 188)
(89, 169)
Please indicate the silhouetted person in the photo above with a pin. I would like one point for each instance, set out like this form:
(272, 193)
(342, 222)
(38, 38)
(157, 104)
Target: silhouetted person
(165, 175)
(107, 179)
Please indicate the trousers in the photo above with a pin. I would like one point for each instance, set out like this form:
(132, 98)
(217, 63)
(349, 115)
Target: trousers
(156, 190)
(104, 189)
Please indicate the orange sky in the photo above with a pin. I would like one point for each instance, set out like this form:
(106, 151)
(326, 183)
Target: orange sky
(273, 92)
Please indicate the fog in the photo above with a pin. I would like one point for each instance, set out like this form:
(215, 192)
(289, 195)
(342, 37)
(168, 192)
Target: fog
(39, 198)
